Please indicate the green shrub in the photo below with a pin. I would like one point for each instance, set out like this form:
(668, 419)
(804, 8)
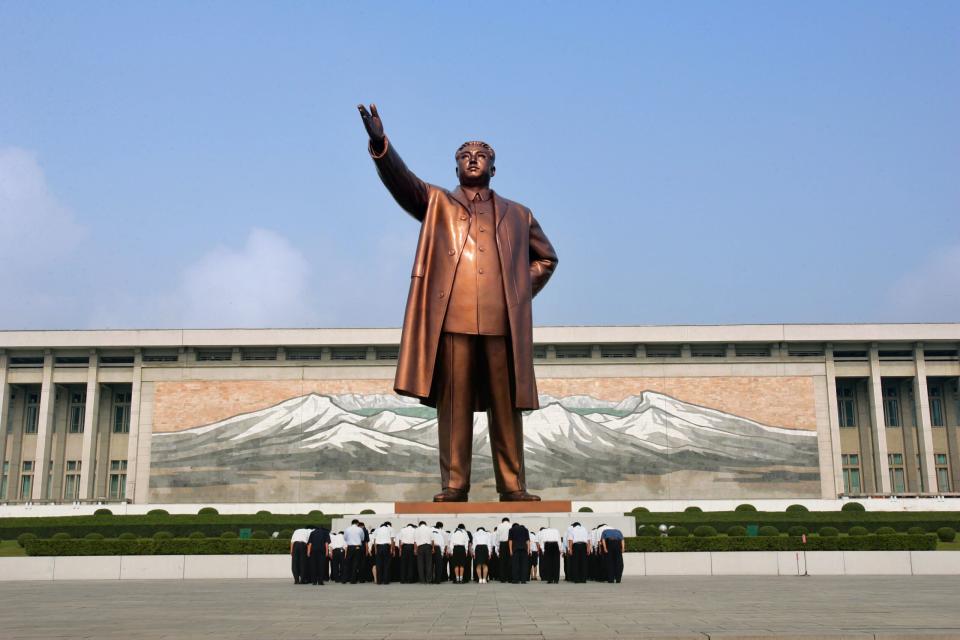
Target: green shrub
(264, 512)
(797, 508)
(285, 534)
(853, 506)
(24, 537)
(174, 546)
(63, 535)
(640, 510)
(946, 534)
(162, 535)
(647, 531)
(126, 535)
(678, 532)
(315, 513)
(158, 512)
(581, 510)
(858, 531)
(704, 531)
(768, 531)
(260, 535)
(367, 512)
(745, 507)
(233, 534)
(797, 530)
(208, 511)
(93, 536)
(197, 535)
(693, 509)
(885, 531)
(828, 532)
(916, 530)
(736, 531)
(103, 511)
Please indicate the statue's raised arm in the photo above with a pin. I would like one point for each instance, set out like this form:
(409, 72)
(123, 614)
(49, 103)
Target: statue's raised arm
(410, 192)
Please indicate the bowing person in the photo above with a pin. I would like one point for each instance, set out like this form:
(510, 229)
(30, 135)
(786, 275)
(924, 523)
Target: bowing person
(518, 545)
(317, 549)
(482, 548)
(549, 539)
(384, 549)
(298, 555)
(459, 548)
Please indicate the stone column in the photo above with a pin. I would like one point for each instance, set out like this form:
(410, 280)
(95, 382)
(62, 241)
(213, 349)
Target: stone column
(950, 405)
(834, 417)
(91, 413)
(41, 460)
(134, 436)
(4, 411)
(928, 470)
(61, 418)
(881, 463)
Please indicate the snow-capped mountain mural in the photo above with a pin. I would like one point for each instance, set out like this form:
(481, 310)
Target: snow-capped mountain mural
(382, 446)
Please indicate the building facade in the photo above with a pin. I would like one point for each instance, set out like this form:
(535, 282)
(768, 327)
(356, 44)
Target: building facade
(627, 413)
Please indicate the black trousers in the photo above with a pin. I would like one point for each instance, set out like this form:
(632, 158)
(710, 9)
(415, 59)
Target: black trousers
(319, 572)
(354, 562)
(438, 573)
(337, 573)
(578, 563)
(408, 564)
(566, 566)
(614, 562)
(504, 564)
(550, 562)
(520, 566)
(298, 562)
(383, 564)
(425, 563)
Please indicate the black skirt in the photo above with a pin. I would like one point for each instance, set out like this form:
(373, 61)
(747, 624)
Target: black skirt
(482, 554)
(459, 556)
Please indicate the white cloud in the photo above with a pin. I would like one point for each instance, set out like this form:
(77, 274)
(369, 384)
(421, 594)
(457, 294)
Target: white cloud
(931, 291)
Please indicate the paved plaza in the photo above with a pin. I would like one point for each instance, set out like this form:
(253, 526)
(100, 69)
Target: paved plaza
(714, 608)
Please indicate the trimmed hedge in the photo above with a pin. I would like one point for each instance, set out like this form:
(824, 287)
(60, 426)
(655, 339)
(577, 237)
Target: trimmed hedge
(899, 542)
(886, 531)
(693, 510)
(853, 506)
(127, 536)
(704, 531)
(148, 547)
(144, 526)
(678, 532)
(158, 512)
(829, 532)
(646, 532)
(797, 508)
(207, 511)
(901, 521)
(797, 530)
(768, 531)
(103, 512)
(946, 534)
(742, 508)
(736, 531)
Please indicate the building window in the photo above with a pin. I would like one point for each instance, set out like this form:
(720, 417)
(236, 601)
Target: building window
(4, 480)
(936, 407)
(847, 405)
(573, 352)
(78, 405)
(26, 480)
(943, 472)
(31, 417)
(121, 413)
(897, 484)
(71, 481)
(387, 354)
(891, 406)
(348, 354)
(118, 479)
(851, 473)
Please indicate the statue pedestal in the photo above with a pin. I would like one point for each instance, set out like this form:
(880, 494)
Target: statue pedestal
(545, 506)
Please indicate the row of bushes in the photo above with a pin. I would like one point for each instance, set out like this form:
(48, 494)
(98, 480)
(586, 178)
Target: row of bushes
(896, 542)
(945, 534)
(283, 534)
(749, 508)
(929, 521)
(146, 525)
(219, 546)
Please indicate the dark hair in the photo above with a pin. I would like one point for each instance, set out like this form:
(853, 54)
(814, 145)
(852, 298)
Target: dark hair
(542, 528)
(460, 526)
(505, 520)
(575, 524)
(422, 523)
(480, 529)
(354, 521)
(387, 524)
(439, 525)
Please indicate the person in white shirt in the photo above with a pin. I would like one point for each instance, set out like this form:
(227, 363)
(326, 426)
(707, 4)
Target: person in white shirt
(382, 542)
(439, 553)
(298, 555)
(578, 546)
(459, 548)
(502, 540)
(353, 537)
(337, 550)
(408, 555)
(423, 539)
(565, 549)
(482, 550)
(534, 559)
(549, 542)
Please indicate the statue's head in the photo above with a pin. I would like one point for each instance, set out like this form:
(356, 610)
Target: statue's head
(475, 163)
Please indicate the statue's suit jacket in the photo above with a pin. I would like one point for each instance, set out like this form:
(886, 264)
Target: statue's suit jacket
(527, 261)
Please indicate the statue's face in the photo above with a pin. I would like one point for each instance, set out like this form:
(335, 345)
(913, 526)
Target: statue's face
(475, 166)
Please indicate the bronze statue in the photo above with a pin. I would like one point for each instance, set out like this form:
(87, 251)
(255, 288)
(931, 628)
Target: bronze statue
(467, 341)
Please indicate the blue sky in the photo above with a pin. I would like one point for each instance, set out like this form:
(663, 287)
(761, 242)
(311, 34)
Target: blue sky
(203, 164)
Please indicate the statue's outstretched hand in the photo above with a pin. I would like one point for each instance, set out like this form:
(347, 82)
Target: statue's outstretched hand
(373, 124)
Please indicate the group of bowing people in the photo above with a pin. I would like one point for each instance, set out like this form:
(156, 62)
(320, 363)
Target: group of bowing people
(433, 555)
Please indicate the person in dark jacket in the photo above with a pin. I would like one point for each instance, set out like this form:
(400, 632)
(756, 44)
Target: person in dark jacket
(317, 546)
(519, 546)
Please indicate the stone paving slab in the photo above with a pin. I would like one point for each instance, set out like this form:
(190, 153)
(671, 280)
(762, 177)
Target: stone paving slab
(651, 608)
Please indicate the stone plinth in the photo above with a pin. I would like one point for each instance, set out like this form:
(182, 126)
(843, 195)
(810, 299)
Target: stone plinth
(546, 506)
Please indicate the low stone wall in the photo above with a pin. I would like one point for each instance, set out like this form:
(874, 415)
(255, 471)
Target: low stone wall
(239, 567)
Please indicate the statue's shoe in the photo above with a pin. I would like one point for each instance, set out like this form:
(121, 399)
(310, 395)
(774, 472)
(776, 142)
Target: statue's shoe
(518, 496)
(451, 495)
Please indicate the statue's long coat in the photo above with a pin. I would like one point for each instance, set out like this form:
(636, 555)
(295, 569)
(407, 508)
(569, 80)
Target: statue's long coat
(527, 261)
